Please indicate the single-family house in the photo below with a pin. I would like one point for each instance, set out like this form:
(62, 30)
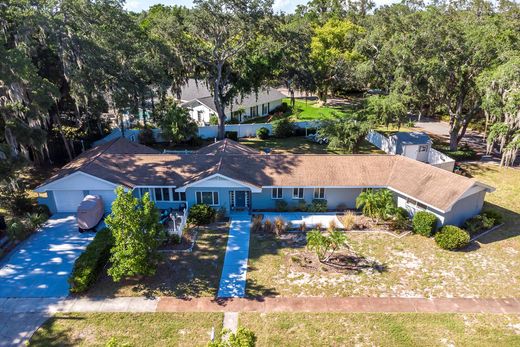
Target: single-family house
(235, 177)
(196, 97)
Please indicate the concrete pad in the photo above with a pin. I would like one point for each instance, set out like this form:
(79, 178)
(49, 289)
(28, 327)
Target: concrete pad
(230, 321)
(86, 305)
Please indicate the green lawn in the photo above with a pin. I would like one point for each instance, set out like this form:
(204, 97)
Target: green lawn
(409, 267)
(377, 329)
(128, 329)
(299, 144)
(192, 274)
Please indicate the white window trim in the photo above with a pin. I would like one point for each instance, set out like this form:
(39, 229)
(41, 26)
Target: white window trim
(317, 190)
(297, 197)
(212, 197)
(276, 197)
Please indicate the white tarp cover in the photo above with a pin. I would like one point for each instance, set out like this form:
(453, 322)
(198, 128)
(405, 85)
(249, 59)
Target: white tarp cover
(90, 212)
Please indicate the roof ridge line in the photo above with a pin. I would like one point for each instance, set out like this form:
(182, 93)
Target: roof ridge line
(97, 155)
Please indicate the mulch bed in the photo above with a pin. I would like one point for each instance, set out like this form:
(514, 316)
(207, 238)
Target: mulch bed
(186, 242)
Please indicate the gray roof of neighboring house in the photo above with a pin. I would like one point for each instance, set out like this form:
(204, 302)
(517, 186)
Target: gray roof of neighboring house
(411, 138)
(194, 91)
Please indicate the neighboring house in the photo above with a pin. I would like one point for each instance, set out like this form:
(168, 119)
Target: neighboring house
(414, 145)
(235, 177)
(196, 97)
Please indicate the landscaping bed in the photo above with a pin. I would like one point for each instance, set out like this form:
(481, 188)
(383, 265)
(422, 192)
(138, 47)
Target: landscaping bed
(183, 274)
(185, 243)
(128, 329)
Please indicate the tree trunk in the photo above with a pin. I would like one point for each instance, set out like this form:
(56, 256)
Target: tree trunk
(217, 98)
(65, 141)
(143, 105)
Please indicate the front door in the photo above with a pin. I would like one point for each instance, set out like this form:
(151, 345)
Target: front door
(240, 199)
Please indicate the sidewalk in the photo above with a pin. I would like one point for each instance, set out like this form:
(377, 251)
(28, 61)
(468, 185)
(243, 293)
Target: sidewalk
(269, 304)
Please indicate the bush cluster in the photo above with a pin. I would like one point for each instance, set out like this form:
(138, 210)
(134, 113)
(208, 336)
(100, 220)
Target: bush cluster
(451, 238)
(482, 222)
(424, 223)
(318, 205)
(20, 228)
(146, 137)
(282, 206)
(262, 133)
(201, 214)
(89, 264)
(283, 128)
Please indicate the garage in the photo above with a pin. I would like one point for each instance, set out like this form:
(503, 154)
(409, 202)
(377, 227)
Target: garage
(108, 197)
(67, 200)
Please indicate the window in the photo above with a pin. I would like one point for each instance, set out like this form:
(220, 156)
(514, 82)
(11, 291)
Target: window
(422, 148)
(417, 204)
(297, 193)
(162, 194)
(253, 111)
(276, 193)
(265, 109)
(200, 116)
(143, 191)
(179, 196)
(208, 198)
(319, 193)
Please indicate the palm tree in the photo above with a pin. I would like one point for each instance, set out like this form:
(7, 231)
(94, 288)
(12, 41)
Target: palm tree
(367, 201)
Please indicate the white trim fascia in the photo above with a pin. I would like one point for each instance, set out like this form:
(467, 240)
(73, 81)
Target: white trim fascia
(254, 189)
(137, 187)
(45, 187)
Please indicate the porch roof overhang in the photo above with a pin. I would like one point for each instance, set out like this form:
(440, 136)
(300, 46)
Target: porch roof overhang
(219, 181)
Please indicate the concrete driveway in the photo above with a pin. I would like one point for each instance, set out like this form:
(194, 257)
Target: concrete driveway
(40, 266)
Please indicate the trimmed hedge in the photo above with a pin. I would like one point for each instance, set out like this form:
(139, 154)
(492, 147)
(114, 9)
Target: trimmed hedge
(201, 214)
(262, 133)
(283, 128)
(318, 205)
(89, 264)
(451, 238)
(424, 223)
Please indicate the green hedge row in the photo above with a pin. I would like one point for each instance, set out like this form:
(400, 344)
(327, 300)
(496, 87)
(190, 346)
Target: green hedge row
(89, 264)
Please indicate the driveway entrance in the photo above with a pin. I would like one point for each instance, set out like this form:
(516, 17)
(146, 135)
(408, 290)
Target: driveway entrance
(40, 266)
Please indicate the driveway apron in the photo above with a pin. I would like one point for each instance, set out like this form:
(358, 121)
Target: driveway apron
(233, 279)
(40, 266)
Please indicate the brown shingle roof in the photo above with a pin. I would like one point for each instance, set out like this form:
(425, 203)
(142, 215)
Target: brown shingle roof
(423, 182)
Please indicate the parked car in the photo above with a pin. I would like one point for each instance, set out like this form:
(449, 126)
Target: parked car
(317, 138)
(90, 212)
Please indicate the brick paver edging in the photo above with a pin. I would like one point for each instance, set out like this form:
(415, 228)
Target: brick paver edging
(352, 304)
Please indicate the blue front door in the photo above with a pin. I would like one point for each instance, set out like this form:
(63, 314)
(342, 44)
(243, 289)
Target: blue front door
(240, 199)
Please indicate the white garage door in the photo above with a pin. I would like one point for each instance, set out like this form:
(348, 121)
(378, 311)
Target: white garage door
(68, 200)
(108, 197)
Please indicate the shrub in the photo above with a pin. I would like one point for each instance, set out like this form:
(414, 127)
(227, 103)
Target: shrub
(232, 135)
(303, 226)
(451, 238)
(256, 226)
(282, 206)
(17, 229)
(348, 220)
(318, 205)
(268, 226)
(424, 223)
(242, 338)
(262, 133)
(401, 220)
(332, 225)
(146, 137)
(90, 263)
(302, 206)
(213, 119)
(283, 128)
(36, 220)
(496, 216)
(279, 226)
(201, 214)
(43, 209)
(478, 223)
(15, 199)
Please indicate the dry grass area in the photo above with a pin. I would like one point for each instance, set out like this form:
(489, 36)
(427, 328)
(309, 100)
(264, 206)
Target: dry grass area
(192, 274)
(378, 329)
(412, 266)
(128, 329)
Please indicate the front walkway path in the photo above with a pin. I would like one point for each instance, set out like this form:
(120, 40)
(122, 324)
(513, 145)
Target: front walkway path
(233, 278)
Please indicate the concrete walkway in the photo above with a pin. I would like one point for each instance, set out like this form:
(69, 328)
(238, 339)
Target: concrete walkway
(234, 271)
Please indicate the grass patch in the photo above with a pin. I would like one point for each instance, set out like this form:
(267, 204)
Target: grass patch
(128, 329)
(379, 329)
(300, 145)
(414, 266)
(193, 274)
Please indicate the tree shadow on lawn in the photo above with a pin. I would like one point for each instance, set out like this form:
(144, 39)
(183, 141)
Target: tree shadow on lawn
(184, 275)
(49, 335)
